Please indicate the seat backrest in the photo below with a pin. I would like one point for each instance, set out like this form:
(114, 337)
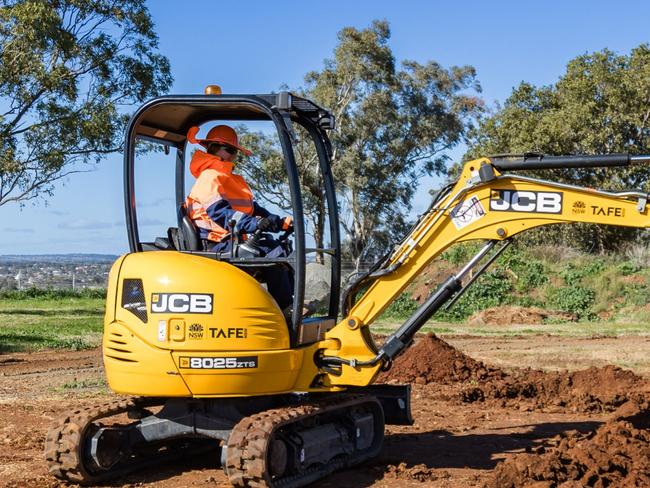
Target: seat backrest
(189, 238)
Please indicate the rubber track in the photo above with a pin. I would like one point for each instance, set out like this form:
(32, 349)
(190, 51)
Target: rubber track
(249, 439)
(64, 443)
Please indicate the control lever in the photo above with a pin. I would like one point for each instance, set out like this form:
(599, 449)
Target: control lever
(233, 236)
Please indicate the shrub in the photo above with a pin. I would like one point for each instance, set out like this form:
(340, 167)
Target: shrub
(460, 253)
(573, 299)
(554, 253)
(627, 268)
(490, 290)
(573, 273)
(635, 294)
(530, 273)
(402, 307)
(639, 254)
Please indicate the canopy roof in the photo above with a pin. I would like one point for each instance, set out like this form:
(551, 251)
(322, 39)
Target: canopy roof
(167, 119)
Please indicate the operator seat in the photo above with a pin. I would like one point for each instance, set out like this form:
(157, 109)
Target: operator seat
(188, 234)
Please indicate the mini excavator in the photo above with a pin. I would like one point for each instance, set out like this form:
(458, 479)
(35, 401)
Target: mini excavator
(205, 358)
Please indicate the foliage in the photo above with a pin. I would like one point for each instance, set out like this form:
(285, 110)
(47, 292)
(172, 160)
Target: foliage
(529, 273)
(460, 253)
(404, 306)
(394, 125)
(490, 290)
(67, 70)
(573, 273)
(627, 268)
(636, 294)
(638, 254)
(573, 299)
(599, 106)
(610, 286)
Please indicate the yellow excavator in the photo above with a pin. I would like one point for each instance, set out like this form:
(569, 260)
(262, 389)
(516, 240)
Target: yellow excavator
(206, 359)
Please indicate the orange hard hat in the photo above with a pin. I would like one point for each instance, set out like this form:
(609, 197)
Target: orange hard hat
(220, 134)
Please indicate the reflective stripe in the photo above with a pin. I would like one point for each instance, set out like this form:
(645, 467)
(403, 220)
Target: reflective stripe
(240, 202)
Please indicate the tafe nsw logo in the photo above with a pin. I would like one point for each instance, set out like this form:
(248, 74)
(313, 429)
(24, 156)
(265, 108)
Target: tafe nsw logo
(181, 302)
(526, 201)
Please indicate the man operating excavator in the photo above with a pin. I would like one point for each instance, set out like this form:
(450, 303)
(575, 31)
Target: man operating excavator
(221, 203)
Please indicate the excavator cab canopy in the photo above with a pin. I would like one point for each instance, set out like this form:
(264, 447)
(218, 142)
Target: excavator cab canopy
(166, 120)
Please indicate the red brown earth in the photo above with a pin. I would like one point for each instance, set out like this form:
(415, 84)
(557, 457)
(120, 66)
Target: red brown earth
(432, 360)
(514, 314)
(475, 424)
(616, 454)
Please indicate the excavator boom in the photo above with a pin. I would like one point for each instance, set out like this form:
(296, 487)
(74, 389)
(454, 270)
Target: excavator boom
(485, 203)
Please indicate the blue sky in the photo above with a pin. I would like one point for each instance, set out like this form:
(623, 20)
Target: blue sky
(256, 46)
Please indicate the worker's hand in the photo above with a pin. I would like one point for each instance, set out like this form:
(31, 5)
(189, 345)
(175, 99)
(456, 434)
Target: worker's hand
(272, 223)
(287, 225)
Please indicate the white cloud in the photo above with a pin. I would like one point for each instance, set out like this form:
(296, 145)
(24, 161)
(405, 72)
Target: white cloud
(157, 203)
(145, 221)
(84, 224)
(18, 230)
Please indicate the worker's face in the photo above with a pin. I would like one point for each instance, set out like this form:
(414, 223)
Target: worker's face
(226, 153)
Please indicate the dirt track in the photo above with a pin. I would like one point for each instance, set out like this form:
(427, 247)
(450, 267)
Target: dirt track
(454, 442)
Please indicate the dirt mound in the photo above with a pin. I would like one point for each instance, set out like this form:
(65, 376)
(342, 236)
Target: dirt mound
(432, 360)
(617, 454)
(511, 315)
(419, 472)
(590, 390)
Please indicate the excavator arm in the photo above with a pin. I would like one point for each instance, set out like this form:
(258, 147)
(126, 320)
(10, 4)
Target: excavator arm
(486, 203)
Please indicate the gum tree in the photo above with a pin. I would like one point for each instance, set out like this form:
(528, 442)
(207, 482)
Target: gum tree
(394, 124)
(600, 105)
(68, 68)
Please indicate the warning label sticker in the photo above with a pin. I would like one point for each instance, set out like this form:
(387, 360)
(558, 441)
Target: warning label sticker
(467, 212)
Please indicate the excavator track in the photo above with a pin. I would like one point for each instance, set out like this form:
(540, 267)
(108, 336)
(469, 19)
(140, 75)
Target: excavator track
(66, 444)
(257, 455)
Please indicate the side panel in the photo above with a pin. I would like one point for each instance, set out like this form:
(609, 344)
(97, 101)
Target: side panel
(199, 304)
(133, 367)
(233, 374)
(174, 309)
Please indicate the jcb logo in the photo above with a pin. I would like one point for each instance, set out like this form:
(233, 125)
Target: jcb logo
(526, 201)
(181, 303)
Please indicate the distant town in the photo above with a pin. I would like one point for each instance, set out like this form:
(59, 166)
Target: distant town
(55, 271)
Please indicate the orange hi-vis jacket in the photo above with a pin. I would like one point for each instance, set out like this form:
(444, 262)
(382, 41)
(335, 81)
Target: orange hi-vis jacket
(219, 197)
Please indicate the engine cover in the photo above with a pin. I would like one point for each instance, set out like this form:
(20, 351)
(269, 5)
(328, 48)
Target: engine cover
(184, 325)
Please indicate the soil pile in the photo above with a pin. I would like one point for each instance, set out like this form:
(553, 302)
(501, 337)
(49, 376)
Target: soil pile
(419, 472)
(590, 390)
(515, 315)
(432, 360)
(617, 454)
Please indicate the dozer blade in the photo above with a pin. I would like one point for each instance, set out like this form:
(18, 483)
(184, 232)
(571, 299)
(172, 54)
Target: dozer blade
(295, 446)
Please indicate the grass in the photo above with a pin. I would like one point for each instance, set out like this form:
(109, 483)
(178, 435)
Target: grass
(76, 384)
(30, 324)
(567, 329)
